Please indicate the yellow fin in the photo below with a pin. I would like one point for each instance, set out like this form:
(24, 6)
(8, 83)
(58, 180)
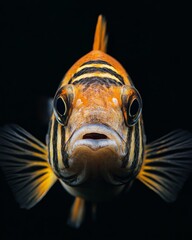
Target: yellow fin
(77, 212)
(100, 38)
(167, 164)
(23, 159)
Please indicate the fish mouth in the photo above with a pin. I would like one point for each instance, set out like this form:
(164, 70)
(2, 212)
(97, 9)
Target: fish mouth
(96, 137)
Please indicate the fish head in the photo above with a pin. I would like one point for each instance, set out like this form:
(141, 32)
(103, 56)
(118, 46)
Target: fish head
(98, 115)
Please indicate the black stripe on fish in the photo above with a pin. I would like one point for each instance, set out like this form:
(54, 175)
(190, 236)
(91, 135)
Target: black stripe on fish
(54, 142)
(97, 69)
(96, 62)
(63, 152)
(48, 141)
(142, 146)
(87, 81)
(137, 146)
(129, 138)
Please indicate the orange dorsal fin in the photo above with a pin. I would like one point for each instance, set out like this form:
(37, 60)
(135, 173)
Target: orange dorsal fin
(100, 38)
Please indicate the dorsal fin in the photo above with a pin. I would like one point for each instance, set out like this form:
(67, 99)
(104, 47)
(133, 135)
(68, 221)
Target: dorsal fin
(100, 38)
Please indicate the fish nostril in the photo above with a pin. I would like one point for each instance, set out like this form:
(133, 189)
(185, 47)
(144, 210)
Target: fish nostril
(94, 136)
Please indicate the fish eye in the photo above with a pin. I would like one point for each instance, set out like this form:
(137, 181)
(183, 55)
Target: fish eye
(60, 109)
(133, 108)
(61, 106)
(132, 105)
(62, 103)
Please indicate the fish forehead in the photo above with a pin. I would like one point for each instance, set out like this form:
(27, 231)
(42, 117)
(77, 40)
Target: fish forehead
(102, 60)
(97, 95)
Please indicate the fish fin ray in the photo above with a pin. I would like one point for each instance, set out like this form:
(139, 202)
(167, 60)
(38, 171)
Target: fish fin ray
(167, 164)
(24, 161)
(100, 38)
(77, 213)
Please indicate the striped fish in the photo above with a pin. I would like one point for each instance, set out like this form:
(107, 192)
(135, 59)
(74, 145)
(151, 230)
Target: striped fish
(95, 145)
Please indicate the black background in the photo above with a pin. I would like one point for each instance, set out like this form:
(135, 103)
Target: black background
(39, 42)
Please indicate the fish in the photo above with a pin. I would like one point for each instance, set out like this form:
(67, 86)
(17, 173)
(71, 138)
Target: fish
(96, 145)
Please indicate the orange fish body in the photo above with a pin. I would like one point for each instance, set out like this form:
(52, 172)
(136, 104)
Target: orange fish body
(96, 143)
(96, 89)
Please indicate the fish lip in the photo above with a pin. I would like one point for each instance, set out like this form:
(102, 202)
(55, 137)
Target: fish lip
(94, 144)
(113, 137)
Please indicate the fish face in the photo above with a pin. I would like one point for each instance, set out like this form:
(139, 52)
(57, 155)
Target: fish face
(98, 122)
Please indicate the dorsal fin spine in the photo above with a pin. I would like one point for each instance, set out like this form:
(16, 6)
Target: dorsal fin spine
(100, 38)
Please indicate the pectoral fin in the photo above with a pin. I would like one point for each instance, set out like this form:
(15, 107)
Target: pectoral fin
(167, 164)
(23, 159)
